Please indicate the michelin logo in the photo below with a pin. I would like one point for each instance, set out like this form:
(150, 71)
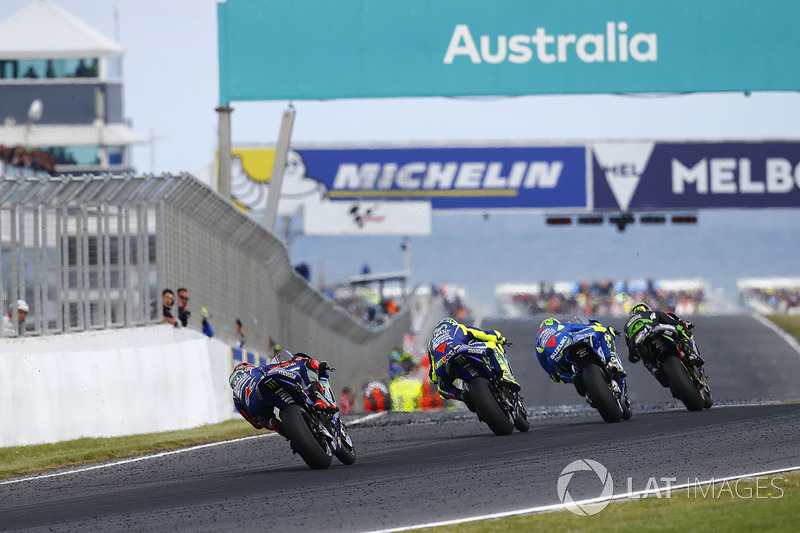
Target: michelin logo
(448, 176)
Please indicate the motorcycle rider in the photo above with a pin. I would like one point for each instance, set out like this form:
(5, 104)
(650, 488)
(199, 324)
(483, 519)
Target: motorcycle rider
(448, 335)
(553, 336)
(642, 311)
(246, 378)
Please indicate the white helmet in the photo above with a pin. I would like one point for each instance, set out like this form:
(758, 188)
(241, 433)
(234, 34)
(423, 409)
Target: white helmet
(22, 305)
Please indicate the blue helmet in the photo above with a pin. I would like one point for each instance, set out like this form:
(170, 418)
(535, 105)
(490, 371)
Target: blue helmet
(640, 308)
(238, 370)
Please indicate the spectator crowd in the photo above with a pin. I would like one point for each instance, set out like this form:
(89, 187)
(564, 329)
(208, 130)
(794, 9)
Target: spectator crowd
(771, 296)
(603, 297)
(19, 159)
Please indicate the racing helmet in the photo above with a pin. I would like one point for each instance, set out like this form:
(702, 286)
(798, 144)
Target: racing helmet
(447, 320)
(640, 308)
(238, 370)
(549, 322)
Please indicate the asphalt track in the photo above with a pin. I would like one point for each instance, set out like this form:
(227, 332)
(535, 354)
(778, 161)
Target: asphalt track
(427, 467)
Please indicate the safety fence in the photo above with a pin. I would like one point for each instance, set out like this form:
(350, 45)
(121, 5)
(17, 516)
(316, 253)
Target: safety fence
(95, 252)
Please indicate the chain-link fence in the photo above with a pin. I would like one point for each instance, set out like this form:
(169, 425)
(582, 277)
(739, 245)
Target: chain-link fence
(95, 252)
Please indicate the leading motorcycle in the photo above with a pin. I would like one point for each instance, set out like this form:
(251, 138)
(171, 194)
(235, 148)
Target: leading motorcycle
(315, 435)
(494, 402)
(670, 353)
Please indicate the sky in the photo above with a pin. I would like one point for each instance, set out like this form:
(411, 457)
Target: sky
(171, 91)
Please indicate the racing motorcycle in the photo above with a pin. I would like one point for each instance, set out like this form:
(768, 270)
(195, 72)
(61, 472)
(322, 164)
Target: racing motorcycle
(598, 373)
(316, 435)
(670, 352)
(489, 397)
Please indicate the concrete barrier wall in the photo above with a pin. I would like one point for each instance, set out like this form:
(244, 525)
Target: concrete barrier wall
(111, 383)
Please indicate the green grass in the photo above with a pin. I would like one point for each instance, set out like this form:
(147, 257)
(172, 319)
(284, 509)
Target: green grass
(683, 511)
(789, 323)
(21, 460)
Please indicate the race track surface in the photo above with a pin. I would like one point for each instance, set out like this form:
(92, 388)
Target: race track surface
(426, 467)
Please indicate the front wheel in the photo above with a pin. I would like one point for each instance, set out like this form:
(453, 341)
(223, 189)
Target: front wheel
(521, 421)
(488, 408)
(599, 393)
(346, 453)
(295, 423)
(681, 384)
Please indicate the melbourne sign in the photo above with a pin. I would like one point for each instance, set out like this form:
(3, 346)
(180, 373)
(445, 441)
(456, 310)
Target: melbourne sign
(318, 49)
(649, 175)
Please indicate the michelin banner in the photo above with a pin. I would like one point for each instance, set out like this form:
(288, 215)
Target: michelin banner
(478, 178)
(630, 176)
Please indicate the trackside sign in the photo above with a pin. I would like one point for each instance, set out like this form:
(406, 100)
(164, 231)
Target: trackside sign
(318, 49)
(455, 178)
(642, 175)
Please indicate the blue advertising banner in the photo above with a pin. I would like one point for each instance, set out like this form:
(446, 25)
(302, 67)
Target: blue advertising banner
(631, 176)
(318, 49)
(454, 178)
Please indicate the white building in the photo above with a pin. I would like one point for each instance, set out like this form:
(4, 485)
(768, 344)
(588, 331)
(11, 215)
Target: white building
(61, 91)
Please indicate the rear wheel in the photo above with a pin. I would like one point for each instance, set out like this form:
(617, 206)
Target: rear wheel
(681, 384)
(314, 453)
(599, 393)
(488, 408)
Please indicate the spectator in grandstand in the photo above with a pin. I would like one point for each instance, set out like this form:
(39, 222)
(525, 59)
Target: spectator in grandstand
(346, 401)
(167, 299)
(9, 329)
(240, 338)
(183, 307)
(207, 331)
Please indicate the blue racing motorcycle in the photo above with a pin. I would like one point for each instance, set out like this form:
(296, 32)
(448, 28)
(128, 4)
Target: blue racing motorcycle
(314, 434)
(598, 373)
(495, 404)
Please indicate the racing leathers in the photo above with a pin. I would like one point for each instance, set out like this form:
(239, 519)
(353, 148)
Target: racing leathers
(553, 336)
(634, 324)
(256, 408)
(447, 336)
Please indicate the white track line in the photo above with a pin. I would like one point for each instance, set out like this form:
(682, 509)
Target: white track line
(791, 341)
(132, 460)
(161, 454)
(560, 507)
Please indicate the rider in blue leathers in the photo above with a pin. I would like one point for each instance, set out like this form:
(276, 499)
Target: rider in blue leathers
(447, 335)
(553, 336)
(245, 379)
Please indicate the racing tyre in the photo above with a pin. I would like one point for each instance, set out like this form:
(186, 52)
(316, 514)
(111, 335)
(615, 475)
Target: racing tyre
(347, 453)
(626, 409)
(708, 399)
(681, 385)
(488, 409)
(314, 453)
(521, 421)
(598, 392)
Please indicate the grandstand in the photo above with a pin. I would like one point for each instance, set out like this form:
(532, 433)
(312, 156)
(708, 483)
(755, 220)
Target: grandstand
(770, 295)
(603, 297)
